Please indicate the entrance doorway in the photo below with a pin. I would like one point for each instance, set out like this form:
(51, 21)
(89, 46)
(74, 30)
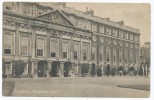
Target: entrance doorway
(67, 66)
(108, 70)
(55, 68)
(41, 68)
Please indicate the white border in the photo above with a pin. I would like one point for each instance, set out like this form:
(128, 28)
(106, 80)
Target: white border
(103, 1)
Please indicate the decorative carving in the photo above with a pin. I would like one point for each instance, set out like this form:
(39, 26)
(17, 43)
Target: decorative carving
(126, 44)
(94, 38)
(120, 43)
(101, 39)
(108, 40)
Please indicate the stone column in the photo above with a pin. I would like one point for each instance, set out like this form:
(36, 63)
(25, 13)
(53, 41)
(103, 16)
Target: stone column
(33, 42)
(61, 69)
(17, 36)
(49, 69)
(73, 70)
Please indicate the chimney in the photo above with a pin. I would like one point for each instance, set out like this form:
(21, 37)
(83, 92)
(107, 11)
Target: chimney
(121, 22)
(89, 12)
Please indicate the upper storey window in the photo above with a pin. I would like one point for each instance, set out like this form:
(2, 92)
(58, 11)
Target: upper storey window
(114, 32)
(126, 35)
(136, 38)
(131, 36)
(7, 43)
(94, 27)
(40, 47)
(24, 45)
(121, 34)
(25, 9)
(108, 31)
(101, 28)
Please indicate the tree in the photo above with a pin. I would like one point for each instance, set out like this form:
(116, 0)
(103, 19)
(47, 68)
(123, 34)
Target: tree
(18, 67)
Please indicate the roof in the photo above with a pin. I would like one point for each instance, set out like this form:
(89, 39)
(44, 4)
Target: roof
(71, 10)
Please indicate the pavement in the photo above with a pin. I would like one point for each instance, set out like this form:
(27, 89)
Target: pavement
(80, 87)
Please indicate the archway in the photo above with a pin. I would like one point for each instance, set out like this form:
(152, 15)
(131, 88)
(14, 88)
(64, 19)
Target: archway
(54, 71)
(67, 66)
(41, 68)
(108, 70)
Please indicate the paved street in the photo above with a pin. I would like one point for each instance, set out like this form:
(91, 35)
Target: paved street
(82, 86)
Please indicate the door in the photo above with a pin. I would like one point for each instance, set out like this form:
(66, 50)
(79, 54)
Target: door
(67, 66)
(41, 68)
(54, 70)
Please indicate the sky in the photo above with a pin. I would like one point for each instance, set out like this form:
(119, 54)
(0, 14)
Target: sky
(136, 15)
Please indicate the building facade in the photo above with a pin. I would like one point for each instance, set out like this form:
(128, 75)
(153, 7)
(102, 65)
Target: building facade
(57, 40)
(145, 58)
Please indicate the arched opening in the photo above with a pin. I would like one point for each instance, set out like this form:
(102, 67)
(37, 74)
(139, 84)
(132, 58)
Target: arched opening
(41, 68)
(54, 68)
(108, 70)
(67, 66)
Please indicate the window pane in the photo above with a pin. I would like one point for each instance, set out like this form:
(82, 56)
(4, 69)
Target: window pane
(40, 47)
(8, 68)
(24, 45)
(7, 43)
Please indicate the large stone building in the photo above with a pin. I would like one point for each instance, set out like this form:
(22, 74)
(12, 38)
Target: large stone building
(59, 40)
(145, 58)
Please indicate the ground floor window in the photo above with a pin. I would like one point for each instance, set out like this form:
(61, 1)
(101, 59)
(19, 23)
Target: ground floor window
(8, 67)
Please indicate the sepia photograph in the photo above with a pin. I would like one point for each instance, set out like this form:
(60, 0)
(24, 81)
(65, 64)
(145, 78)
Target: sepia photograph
(76, 49)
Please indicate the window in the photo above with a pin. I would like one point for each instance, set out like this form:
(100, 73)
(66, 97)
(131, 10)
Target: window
(40, 47)
(131, 36)
(126, 35)
(136, 38)
(120, 56)
(101, 54)
(76, 51)
(7, 44)
(114, 55)
(94, 27)
(101, 28)
(108, 31)
(8, 67)
(114, 32)
(25, 9)
(75, 55)
(65, 50)
(121, 34)
(93, 53)
(24, 46)
(108, 54)
(53, 48)
(85, 49)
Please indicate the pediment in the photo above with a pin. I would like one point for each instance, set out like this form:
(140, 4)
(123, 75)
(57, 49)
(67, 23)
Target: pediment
(56, 16)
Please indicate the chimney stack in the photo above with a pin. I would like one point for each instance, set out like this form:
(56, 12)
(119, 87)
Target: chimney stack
(89, 12)
(121, 22)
